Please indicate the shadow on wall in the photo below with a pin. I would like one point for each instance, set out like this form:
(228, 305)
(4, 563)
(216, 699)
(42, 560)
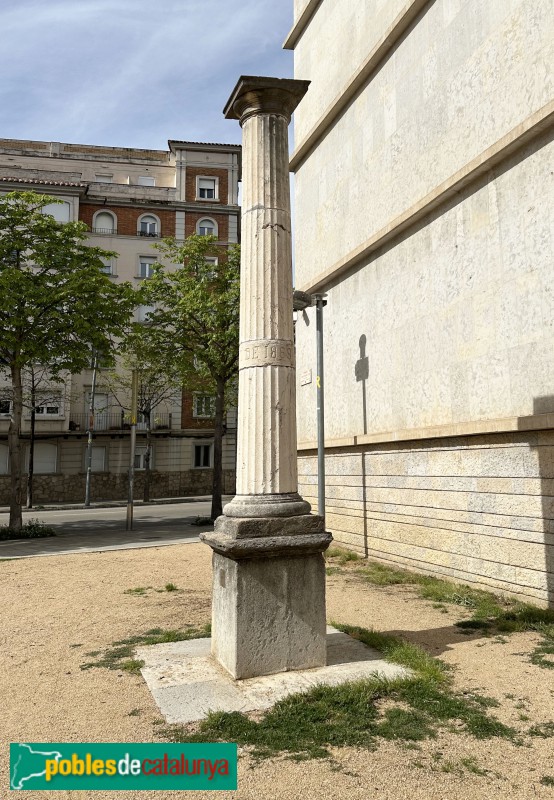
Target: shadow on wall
(545, 472)
(361, 372)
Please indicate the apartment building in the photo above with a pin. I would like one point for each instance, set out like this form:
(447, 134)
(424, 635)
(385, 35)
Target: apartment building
(129, 199)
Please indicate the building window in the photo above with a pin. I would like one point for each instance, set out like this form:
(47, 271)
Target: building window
(45, 458)
(98, 459)
(104, 222)
(203, 406)
(4, 459)
(60, 211)
(148, 225)
(206, 227)
(49, 408)
(140, 457)
(5, 408)
(146, 266)
(207, 188)
(146, 180)
(202, 456)
(103, 178)
(109, 266)
(144, 312)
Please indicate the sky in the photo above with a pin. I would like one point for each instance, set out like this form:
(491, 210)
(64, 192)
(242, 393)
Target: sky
(133, 73)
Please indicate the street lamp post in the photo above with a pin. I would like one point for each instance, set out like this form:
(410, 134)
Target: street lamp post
(301, 301)
(132, 447)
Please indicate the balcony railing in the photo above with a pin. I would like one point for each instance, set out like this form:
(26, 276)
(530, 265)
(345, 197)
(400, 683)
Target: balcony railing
(104, 421)
(150, 234)
(105, 231)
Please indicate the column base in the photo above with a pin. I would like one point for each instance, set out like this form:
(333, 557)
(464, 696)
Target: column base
(268, 612)
(246, 506)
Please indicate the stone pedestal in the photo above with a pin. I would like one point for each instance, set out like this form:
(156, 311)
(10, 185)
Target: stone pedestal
(269, 577)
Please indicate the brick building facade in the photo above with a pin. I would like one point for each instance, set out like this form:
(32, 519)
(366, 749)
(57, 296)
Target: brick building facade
(129, 199)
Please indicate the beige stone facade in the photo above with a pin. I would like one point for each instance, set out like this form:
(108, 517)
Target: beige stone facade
(129, 199)
(424, 197)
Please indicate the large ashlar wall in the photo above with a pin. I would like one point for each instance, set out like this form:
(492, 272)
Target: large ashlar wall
(424, 199)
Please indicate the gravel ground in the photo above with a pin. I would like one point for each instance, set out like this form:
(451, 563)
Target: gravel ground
(56, 609)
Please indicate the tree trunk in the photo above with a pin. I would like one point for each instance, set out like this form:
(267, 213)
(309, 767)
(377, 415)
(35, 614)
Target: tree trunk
(31, 445)
(14, 448)
(217, 486)
(147, 458)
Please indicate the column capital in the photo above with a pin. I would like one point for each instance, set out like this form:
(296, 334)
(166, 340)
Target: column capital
(254, 94)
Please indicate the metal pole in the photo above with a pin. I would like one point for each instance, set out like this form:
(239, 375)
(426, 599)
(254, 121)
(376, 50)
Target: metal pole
(90, 429)
(320, 302)
(132, 446)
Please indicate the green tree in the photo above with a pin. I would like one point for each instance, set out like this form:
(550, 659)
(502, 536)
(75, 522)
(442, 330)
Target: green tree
(55, 305)
(195, 326)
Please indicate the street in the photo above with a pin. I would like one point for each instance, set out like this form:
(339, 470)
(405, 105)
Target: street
(92, 529)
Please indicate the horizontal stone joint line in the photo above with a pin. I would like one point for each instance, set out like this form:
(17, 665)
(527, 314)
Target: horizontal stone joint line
(465, 577)
(341, 511)
(419, 524)
(442, 551)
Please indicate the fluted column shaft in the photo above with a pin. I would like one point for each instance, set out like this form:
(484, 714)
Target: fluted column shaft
(266, 449)
(267, 474)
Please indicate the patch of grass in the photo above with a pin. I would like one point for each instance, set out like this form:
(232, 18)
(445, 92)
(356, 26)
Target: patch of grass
(544, 730)
(135, 712)
(439, 592)
(547, 780)
(332, 570)
(380, 575)
(489, 611)
(340, 555)
(307, 725)
(523, 617)
(32, 529)
(399, 652)
(402, 724)
(120, 656)
(472, 766)
(141, 591)
(133, 665)
(138, 591)
(486, 702)
(543, 654)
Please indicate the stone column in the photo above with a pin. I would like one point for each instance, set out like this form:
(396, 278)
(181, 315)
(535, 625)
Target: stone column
(268, 569)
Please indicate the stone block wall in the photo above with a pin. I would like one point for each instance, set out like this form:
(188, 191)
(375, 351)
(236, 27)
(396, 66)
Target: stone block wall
(60, 488)
(477, 509)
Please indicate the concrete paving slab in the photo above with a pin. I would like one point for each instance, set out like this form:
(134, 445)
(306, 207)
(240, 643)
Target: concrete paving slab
(187, 683)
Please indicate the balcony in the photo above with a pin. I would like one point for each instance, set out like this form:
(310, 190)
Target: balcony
(119, 421)
(105, 231)
(150, 235)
